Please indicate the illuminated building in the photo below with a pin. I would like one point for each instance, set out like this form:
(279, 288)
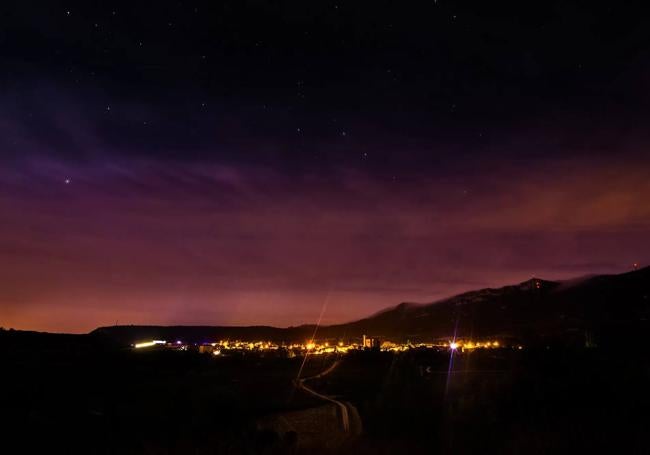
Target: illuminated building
(370, 342)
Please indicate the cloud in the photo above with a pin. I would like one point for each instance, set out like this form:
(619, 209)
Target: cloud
(252, 244)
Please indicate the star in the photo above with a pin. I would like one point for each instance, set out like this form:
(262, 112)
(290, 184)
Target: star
(67, 181)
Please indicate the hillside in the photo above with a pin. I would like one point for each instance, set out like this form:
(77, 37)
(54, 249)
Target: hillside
(605, 307)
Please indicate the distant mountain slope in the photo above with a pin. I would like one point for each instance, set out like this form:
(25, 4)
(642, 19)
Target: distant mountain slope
(128, 334)
(534, 308)
(600, 306)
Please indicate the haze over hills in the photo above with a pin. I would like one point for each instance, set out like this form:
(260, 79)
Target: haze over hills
(601, 306)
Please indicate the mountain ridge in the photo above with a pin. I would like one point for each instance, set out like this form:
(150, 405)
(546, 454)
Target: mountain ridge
(531, 310)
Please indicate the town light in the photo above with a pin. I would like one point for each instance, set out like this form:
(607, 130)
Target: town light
(148, 344)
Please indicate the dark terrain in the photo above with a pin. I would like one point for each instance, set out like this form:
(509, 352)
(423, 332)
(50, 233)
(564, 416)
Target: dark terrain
(579, 385)
(74, 394)
(545, 401)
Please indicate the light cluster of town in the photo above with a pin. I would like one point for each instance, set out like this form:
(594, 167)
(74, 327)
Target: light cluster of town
(312, 347)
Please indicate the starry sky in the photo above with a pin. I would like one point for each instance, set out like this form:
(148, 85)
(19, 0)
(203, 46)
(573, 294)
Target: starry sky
(256, 162)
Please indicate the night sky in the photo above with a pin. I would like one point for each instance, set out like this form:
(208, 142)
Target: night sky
(248, 162)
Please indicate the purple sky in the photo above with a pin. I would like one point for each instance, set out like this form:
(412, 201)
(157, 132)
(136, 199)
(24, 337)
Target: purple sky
(177, 243)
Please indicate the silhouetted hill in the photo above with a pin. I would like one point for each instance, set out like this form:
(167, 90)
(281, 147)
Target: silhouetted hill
(592, 309)
(536, 308)
(128, 334)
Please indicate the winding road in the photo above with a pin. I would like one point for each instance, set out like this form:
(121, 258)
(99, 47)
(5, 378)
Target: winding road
(345, 416)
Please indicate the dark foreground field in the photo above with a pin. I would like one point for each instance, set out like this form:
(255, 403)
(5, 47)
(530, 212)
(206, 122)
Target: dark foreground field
(499, 401)
(74, 394)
